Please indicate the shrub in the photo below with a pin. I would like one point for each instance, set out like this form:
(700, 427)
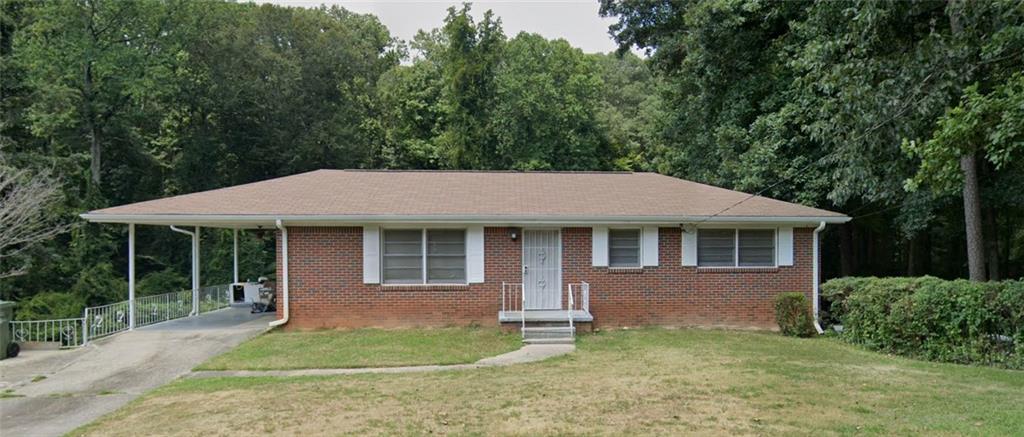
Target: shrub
(100, 285)
(160, 282)
(953, 321)
(50, 305)
(793, 313)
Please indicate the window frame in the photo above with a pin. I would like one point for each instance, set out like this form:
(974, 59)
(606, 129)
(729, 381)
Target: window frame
(639, 248)
(736, 248)
(423, 280)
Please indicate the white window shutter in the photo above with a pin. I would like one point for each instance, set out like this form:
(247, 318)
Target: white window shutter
(475, 254)
(785, 246)
(600, 246)
(690, 247)
(650, 246)
(371, 254)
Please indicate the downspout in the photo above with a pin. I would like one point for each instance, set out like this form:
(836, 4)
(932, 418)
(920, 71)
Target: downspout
(817, 277)
(284, 268)
(195, 267)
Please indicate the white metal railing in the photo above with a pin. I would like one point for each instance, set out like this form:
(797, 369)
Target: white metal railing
(214, 297)
(68, 332)
(522, 312)
(162, 307)
(105, 320)
(579, 297)
(571, 307)
(512, 296)
(101, 321)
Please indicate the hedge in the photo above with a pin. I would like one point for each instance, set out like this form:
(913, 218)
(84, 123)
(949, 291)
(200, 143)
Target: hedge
(793, 314)
(929, 318)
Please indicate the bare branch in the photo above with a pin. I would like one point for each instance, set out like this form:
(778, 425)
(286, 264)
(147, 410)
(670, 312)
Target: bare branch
(25, 200)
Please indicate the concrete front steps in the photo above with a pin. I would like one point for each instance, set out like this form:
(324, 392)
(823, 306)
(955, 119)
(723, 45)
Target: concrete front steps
(533, 334)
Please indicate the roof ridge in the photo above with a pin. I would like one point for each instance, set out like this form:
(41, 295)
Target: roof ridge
(388, 170)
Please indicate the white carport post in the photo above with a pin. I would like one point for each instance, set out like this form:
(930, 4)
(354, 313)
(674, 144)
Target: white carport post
(195, 266)
(236, 255)
(131, 276)
(195, 272)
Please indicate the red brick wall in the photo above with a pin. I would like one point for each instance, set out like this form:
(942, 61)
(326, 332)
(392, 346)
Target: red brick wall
(327, 290)
(671, 294)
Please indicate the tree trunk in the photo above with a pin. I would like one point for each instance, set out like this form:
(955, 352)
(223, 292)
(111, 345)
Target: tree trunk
(972, 218)
(969, 167)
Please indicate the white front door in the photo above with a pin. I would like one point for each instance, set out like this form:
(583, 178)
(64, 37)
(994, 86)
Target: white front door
(542, 269)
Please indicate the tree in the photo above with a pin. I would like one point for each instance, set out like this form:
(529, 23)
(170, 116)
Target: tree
(987, 125)
(87, 60)
(810, 101)
(469, 60)
(544, 112)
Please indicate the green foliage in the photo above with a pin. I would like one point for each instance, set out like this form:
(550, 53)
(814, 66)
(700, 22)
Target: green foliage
(50, 305)
(811, 102)
(547, 93)
(163, 281)
(793, 314)
(808, 102)
(929, 318)
(98, 284)
(476, 100)
(992, 124)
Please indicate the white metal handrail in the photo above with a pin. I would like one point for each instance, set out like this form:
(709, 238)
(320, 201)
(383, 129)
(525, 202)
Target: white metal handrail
(101, 321)
(572, 306)
(511, 296)
(162, 307)
(585, 296)
(67, 332)
(579, 297)
(214, 297)
(522, 312)
(104, 320)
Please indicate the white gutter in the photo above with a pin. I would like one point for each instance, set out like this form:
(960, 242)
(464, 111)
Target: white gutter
(817, 277)
(195, 268)
(284, 268)
(256, 220)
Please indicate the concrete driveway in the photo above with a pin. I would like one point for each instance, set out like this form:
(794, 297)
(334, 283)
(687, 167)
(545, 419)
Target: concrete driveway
(83, 384)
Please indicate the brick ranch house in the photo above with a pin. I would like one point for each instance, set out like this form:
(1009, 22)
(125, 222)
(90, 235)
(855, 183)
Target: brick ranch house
(398, 248)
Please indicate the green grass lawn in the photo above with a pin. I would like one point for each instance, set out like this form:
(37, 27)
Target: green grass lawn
(364, 348)
(650, 381)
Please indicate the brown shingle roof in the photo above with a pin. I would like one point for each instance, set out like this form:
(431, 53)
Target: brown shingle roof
(351, 193)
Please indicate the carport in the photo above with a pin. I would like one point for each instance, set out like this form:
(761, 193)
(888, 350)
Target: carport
(191, 226)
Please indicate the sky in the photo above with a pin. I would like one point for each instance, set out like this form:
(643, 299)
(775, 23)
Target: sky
(576, 21)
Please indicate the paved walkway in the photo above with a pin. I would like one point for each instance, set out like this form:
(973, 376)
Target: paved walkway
(83, 384)
(527, 354)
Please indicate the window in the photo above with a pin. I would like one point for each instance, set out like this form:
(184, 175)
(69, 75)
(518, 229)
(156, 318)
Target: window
(624, 247)
(716, 247)
(403, 256)
(446, 256)
(736, 247)
(431, 256)
(756, 247)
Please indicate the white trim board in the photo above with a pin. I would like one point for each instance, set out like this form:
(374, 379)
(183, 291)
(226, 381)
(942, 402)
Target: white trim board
(243, 221)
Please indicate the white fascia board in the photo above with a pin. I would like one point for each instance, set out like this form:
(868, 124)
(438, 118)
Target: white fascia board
(253, 221)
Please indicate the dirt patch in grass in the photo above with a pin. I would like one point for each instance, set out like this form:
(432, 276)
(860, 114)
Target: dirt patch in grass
(651, 382)
(333, 349)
